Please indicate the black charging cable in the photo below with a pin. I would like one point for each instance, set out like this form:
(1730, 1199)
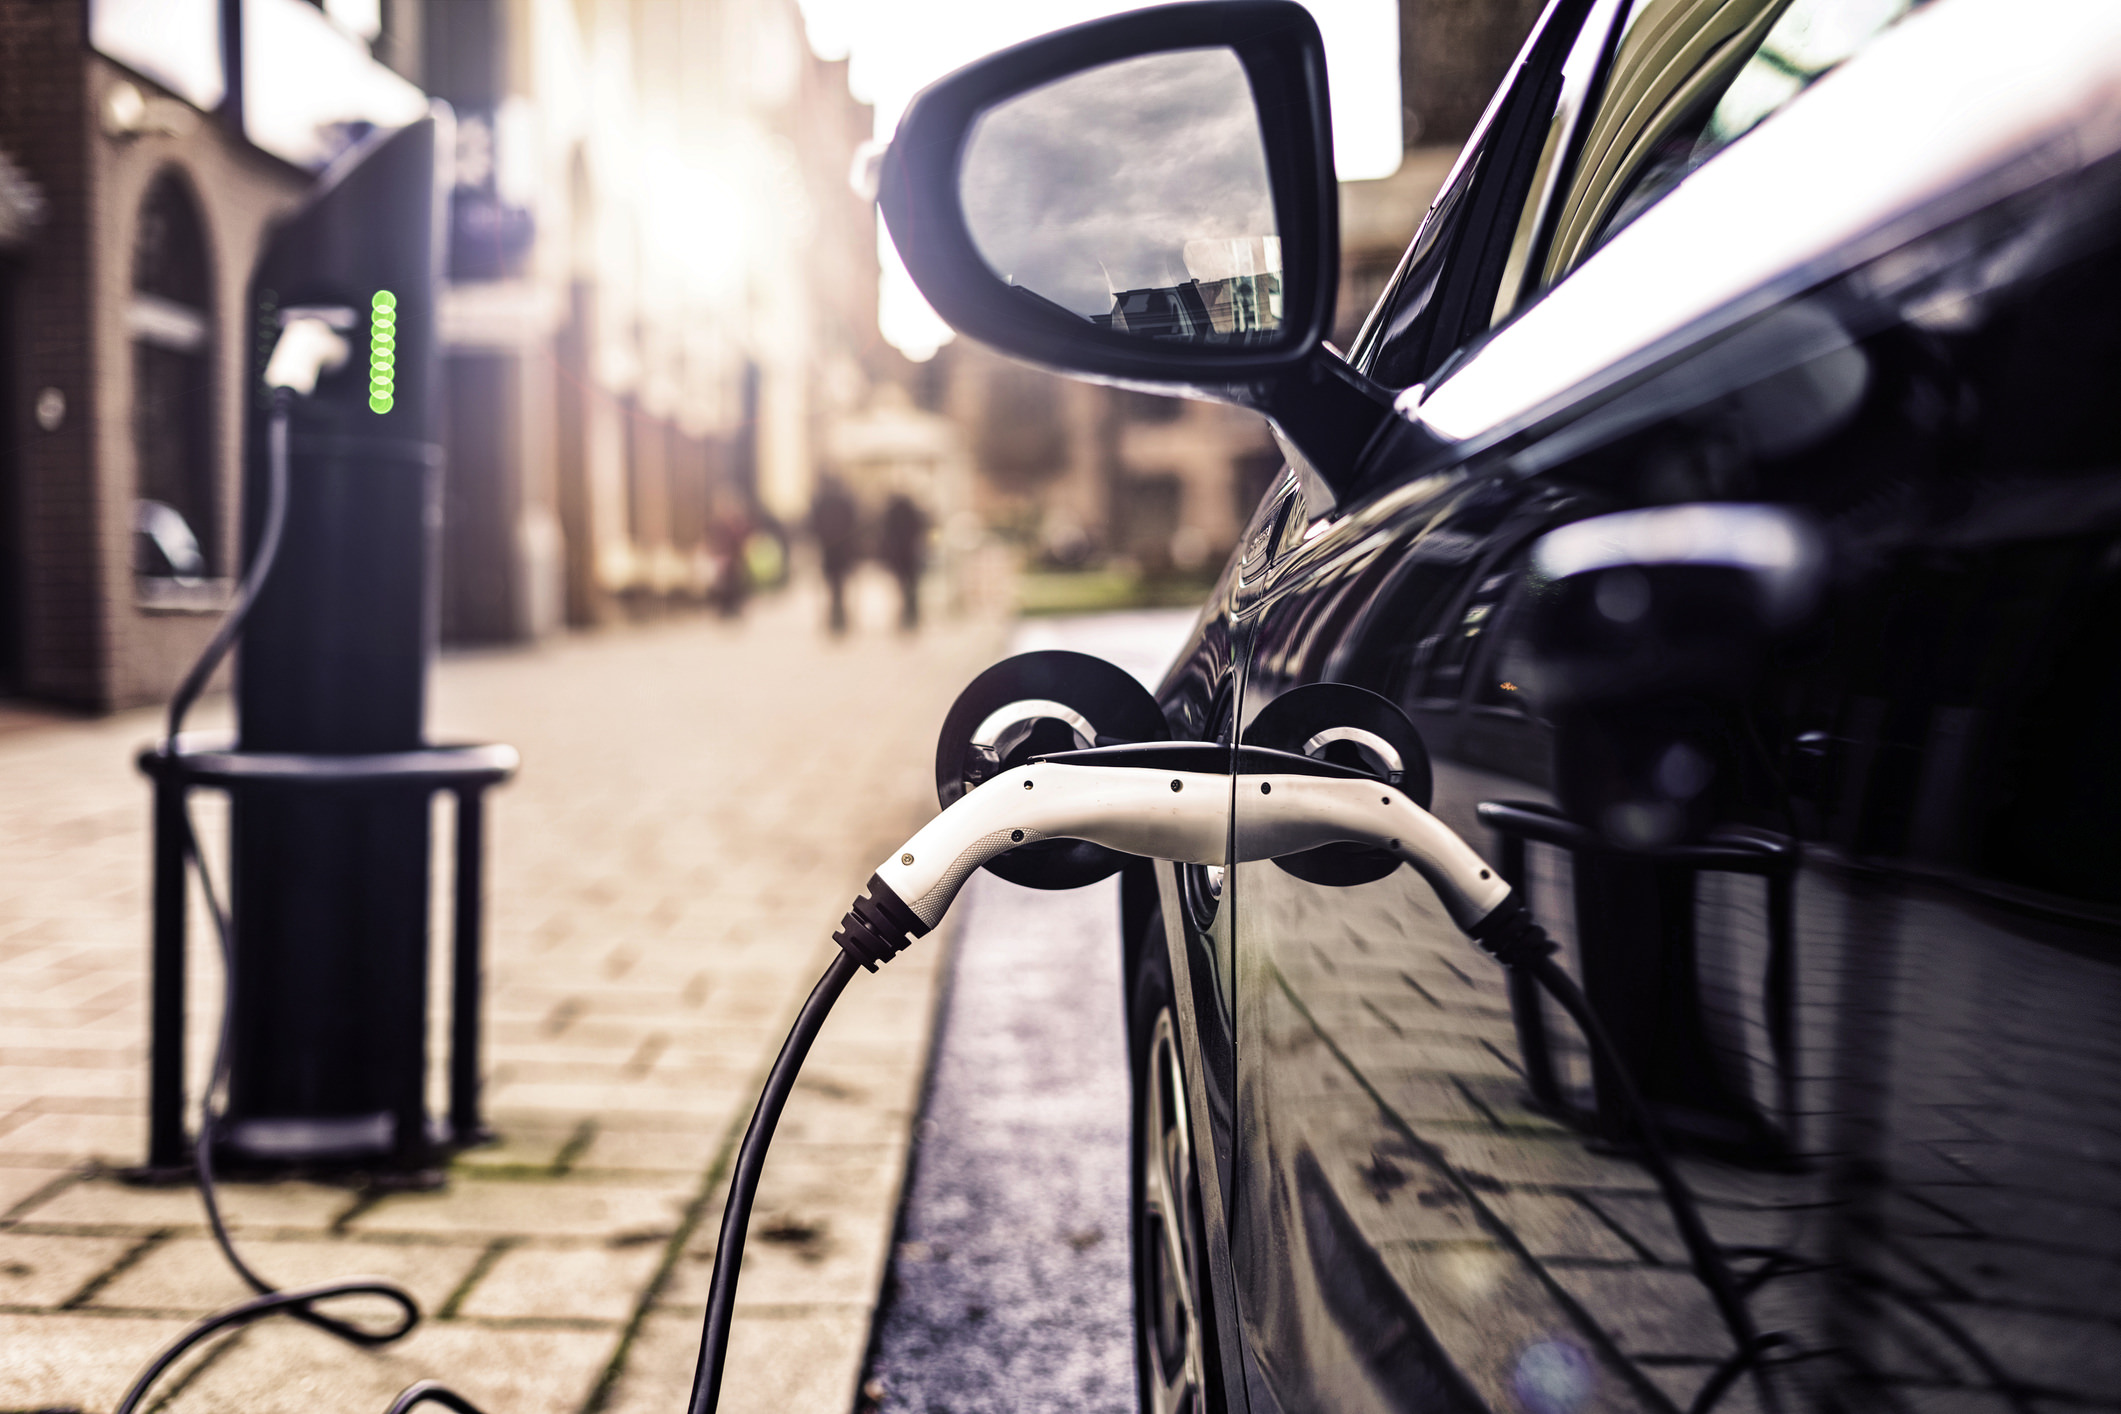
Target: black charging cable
(268, 552)
(1508, 935)
(299, 1302)
(744, 1180)
(736, 1209)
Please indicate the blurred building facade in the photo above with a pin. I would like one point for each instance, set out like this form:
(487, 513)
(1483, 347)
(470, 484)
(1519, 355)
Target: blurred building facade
(1079, 474)
(125, 343)
(661, 290)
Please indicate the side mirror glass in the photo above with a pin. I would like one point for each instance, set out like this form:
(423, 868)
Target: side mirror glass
(1148, 198)
(1134, 196)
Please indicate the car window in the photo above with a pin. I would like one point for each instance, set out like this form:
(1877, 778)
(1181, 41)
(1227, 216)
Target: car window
(1445, 292)
(1690, 78)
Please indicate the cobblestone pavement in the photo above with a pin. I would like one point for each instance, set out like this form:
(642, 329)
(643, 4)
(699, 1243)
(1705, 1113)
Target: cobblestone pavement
(697, 804)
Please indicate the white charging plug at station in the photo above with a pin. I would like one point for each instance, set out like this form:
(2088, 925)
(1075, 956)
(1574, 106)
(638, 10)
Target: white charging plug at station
(310, 346)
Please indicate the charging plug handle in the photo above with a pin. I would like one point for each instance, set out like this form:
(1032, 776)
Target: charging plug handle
(309, 347)
(1145, 803)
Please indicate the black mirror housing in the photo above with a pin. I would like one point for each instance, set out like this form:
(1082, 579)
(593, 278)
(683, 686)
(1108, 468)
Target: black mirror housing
(1283, 58)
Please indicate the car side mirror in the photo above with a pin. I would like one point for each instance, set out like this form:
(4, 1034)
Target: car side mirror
(1146, 200)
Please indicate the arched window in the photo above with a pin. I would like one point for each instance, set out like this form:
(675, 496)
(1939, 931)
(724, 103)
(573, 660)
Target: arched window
(177, 518)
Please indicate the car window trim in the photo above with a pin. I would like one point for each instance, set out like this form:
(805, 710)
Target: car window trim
(1585, 70)
(1513, 156)
(1494, 172)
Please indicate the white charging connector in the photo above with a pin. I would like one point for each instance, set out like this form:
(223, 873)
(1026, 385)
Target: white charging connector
(310, 346)
(1176, 814)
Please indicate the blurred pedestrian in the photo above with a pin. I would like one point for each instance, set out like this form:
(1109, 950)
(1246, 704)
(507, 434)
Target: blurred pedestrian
(904, 542)
(836, 524)
(727, 534)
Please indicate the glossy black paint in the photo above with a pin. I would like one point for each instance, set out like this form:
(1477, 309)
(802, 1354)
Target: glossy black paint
(1840, 878)
(1864, 951)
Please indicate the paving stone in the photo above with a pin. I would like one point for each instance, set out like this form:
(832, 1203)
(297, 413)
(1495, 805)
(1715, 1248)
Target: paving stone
(69, 1082)
(187, 1274)
(1560, 1226)
(847, 1105)
(1489, 1310)
(550, 1208)
(1683, 1383)
(628, 1097)
(45, 1271)
(2045, 1349)
(603, 1282)
(779, 1361)
(286, 1368)
(63, 1360)
(524, 1143)
(1556, 1160)
(810, 1241)
(19, 1188)
(684, 1148)
(2004, 1271)
(1648, 1221)
(107, 1203)
(1650, 1310)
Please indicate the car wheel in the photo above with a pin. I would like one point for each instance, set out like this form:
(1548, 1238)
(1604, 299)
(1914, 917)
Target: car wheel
(1174, 1321)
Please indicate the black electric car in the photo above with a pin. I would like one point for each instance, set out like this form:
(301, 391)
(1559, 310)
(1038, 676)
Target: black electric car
(1718, 519)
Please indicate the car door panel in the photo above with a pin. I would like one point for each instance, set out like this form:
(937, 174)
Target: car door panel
(1903, 1019)
(1370, 1035)
(1198, 698)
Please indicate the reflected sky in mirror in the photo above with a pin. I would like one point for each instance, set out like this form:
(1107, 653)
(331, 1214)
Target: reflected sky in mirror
(1134, 195)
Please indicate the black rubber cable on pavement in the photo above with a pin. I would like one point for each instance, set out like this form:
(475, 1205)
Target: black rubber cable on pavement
(744, 1182)
(301, 1302)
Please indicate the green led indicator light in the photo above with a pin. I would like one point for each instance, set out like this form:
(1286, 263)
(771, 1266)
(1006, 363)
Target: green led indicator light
(382, 349)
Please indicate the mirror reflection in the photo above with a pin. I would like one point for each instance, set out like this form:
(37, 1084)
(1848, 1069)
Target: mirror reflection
(1134, 196)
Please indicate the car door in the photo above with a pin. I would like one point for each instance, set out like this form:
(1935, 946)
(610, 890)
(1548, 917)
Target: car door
(1326, 1324)
(1892, 826)
(1508, 162)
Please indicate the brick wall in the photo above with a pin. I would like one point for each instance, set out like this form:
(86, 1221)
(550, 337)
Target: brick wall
(239, 192)
(85, 640)
(44, 124)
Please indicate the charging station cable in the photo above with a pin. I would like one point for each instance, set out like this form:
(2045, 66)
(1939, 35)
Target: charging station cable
(308, 346)
(1171, 801)
(1158, 800)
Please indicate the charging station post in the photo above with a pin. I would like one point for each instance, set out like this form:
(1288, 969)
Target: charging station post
(331, 777)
